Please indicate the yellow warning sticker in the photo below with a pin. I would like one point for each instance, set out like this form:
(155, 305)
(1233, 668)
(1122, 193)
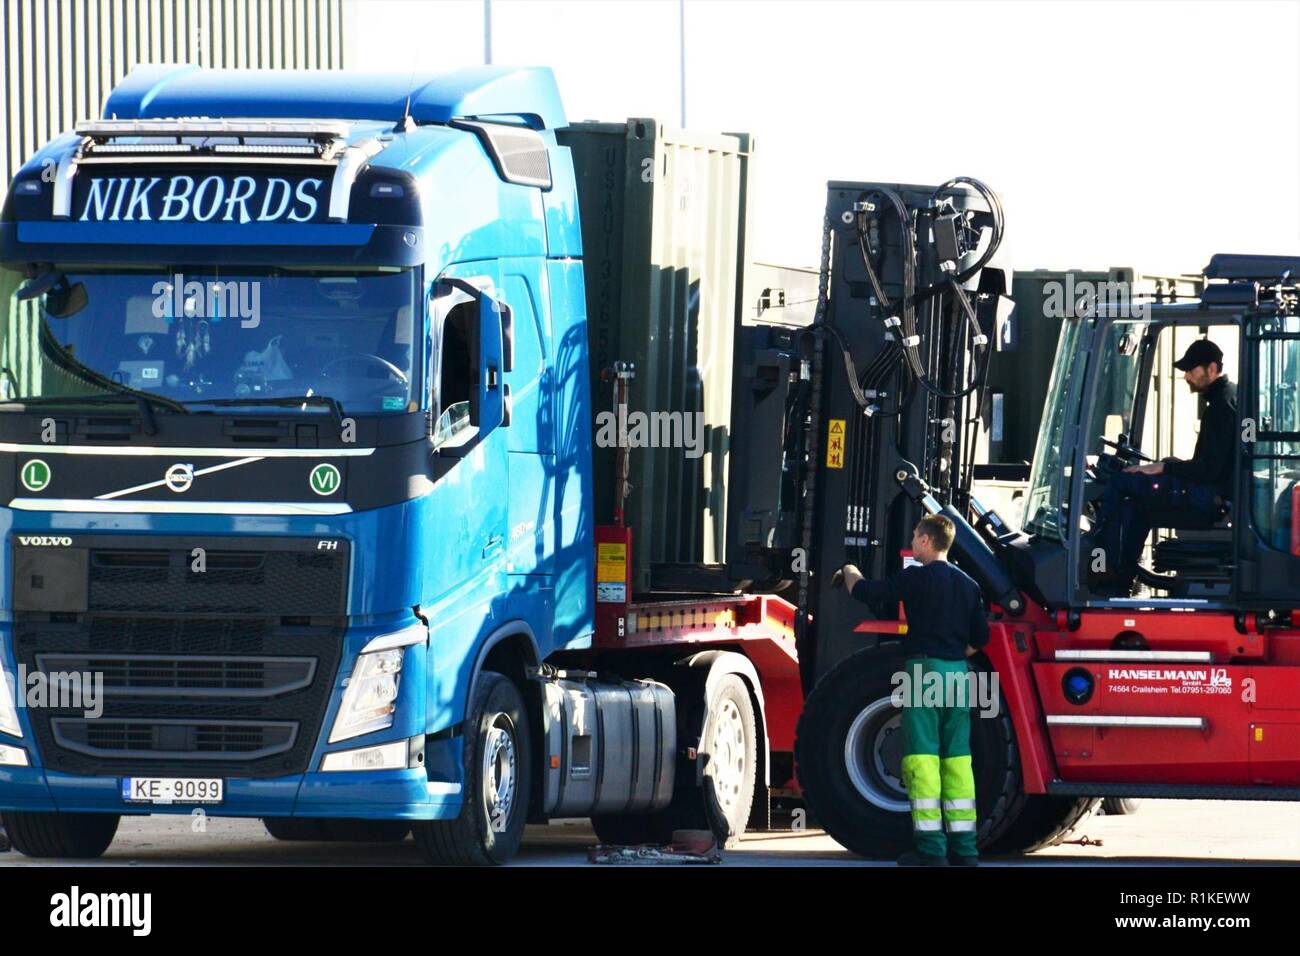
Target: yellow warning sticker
(611, 561)
(835, 444)
(1259, 735)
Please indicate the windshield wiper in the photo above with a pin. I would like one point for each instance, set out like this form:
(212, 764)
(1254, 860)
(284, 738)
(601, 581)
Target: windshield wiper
(143, 400)
(326, 401)
(62, 356)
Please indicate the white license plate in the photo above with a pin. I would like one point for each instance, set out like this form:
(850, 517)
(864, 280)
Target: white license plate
(166, 790)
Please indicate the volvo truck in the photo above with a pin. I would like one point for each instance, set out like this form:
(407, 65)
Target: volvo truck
(307, 515)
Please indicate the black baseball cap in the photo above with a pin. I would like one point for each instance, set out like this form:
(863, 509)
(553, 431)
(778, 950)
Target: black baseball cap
(1200, 352)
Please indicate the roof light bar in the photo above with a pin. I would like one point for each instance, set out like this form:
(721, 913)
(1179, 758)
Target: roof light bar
(266, 149)
(144, 147)
(315, 129)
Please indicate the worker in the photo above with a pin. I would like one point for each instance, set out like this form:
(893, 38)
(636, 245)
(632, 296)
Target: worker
(946, 623)
(1201, 487)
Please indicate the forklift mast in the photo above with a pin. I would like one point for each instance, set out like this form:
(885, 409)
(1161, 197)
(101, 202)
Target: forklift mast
(897, 359)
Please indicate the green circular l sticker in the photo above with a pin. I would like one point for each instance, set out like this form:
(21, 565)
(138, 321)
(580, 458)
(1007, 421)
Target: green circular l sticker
(35, 475)
(325, 479)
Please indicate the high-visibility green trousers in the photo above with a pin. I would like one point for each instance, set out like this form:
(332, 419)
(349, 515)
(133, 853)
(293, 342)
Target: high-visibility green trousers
(937, 766)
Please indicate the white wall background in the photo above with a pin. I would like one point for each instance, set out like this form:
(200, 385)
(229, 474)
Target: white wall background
(1149, 134)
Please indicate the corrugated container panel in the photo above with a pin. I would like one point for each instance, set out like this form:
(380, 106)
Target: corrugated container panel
(663, 226)
(60, 58)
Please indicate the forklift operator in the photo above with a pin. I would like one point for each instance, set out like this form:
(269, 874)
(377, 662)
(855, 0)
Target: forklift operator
(1201, 487)
(946, 623)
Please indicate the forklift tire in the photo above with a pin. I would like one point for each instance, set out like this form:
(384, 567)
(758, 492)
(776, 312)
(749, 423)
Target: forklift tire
(1119, 806)
(60, 836)
(497, 774)
(296, 829)
(849, 750)
(1042, 821)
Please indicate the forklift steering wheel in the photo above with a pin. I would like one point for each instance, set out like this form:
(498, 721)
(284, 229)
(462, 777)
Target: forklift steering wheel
(1125, 451)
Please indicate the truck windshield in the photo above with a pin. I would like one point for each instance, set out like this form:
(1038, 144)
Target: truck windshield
(205, 336)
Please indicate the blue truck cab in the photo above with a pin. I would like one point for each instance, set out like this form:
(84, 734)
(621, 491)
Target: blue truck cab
(295, 428)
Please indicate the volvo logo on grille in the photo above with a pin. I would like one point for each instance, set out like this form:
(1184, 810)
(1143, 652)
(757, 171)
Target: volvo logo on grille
(179, 478)
(43, 541)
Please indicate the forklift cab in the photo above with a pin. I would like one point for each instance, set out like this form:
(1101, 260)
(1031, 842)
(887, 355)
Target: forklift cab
(1115, 400)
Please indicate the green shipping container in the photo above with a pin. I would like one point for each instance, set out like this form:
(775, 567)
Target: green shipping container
(663, 232)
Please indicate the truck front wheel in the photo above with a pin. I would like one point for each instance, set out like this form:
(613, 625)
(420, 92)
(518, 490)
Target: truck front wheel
(497, 781)
(62, 836)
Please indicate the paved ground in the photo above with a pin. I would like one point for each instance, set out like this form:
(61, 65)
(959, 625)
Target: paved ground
(1163, 831)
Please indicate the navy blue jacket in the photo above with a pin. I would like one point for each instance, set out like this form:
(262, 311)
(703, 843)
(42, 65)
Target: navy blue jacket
(945, 610)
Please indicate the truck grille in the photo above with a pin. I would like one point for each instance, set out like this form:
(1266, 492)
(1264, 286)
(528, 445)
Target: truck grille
(232, 582)
(174, 739)
(225, 673)
(143, 675)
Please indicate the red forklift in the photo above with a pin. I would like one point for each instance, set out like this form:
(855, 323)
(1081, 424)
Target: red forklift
(1187, 686)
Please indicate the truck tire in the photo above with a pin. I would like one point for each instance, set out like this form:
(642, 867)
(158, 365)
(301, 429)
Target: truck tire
(497, 776)
(849, 750)
(1119, 806)
(62, 836)
(729, 750)
(295, 829)
(1041, 821)
(726, 761)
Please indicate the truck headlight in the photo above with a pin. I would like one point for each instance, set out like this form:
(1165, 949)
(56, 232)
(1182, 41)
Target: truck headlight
(371, 694)
(8, 712)
(12, 756)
